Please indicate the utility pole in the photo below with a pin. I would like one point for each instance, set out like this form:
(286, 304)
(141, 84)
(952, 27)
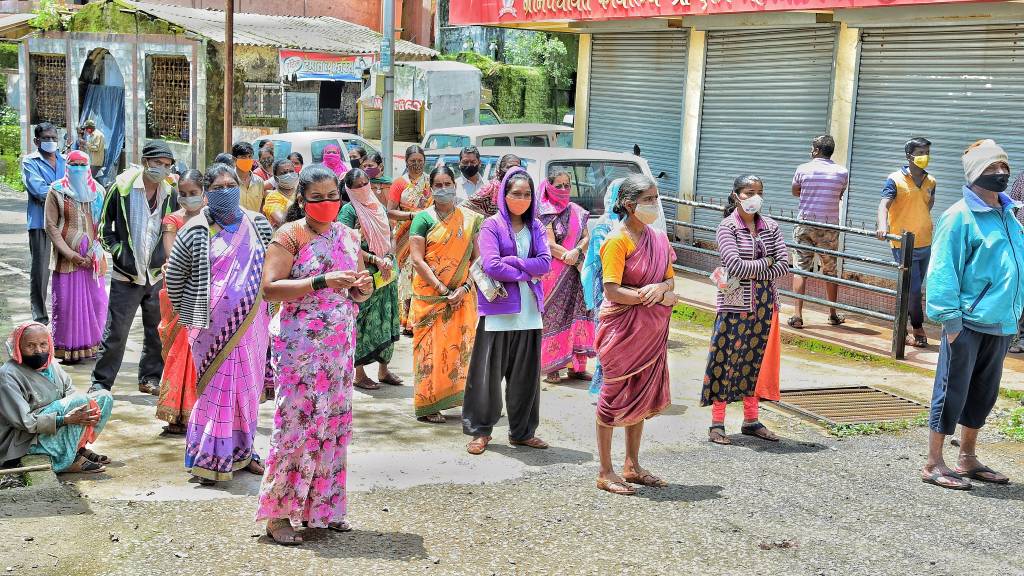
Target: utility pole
(229, 70)
(387, 112)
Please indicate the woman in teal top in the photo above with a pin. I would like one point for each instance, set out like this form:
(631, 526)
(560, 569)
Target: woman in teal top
(377, 324)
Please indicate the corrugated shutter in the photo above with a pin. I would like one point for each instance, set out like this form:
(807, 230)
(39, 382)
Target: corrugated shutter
(953, 85)
(766, 95)
(637, 84)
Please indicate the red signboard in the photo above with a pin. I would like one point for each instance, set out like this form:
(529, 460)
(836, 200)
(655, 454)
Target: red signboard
(464, 12)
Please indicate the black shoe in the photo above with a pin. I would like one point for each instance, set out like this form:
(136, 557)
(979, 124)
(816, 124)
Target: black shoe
(149, 387)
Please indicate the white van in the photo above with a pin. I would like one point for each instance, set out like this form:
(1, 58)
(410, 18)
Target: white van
(515, 135)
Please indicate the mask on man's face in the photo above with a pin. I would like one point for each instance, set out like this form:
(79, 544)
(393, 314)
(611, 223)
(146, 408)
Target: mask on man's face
(48, 147)
(157, 173)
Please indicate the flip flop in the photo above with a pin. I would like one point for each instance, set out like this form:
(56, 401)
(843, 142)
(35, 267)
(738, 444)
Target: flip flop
(367, 384)
(796, 322)
(935, 478)
(531, 443)
(580, 375)
(645, 478)
(836, 320)
(278, 534)
(87, 467)
(94, 457)
(391, 380)
(976, 474)
(478, 446)
(436, 418)
(340, 526)
(618, 488)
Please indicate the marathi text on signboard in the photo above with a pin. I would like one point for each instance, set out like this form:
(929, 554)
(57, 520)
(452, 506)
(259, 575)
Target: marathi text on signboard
(401, 104)
(467, 12)
(319, 66)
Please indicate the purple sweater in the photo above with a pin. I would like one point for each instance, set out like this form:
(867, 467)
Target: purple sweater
(498, 256)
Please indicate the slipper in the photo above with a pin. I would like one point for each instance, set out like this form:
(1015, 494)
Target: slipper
(390, 379)
(935, 478)
(619, 488)
(283, 534)
(759, 430)
(367, 384)
(836, 320)
(976, 474)
(435, 418)
(718, 437)
(94, 457)
(796, 322)
(174, 429)
(553, 378)
(342, 526)
(531, 443)
(87, 467)
(645, 478)
(478, 445)
(586, 376)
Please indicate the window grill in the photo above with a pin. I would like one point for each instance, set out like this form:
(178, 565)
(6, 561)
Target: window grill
(168, 92)
(49, 83)
(262, 99)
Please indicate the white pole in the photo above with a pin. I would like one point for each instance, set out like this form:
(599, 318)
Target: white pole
(387, 113)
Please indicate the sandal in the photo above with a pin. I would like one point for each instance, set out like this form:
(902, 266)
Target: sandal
(979, 473)
(586, 376)
(390, 379)
(93, 457)
(342, 526)
(619, 488)
(281, 532)
(553, 378)
(205, 481)
(258, 470)
(174, 429)
(531, 443)
(85, 466)
(796, 322)
(759, 430)
(645, 478)
(367, 384)
(716, 435)
(936, 478)
(1017, 347)
(435, 418)
(478, 445)
(920, 342)
(836, 320)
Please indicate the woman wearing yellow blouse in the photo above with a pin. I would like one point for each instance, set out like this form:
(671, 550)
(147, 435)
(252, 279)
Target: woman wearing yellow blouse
(275, 206)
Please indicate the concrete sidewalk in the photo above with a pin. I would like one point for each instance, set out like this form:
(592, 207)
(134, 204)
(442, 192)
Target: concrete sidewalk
(859, 333)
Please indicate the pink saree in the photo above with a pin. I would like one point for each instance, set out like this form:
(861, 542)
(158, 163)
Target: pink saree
(568, 335)
(632, 342)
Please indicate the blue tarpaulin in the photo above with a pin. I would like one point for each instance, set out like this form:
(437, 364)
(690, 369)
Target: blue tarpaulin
(105, 105)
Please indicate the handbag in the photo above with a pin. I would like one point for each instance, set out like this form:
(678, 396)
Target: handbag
(489, 287)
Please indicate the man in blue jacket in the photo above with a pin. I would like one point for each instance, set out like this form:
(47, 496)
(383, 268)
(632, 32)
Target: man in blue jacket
(38, 170)
(976, 290)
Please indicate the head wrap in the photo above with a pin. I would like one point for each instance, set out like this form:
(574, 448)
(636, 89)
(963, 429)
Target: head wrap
(373, 219)
(980, 156)
(14, 342)
(528, 216)
(157, 149)
(332, 159)
(552, 200)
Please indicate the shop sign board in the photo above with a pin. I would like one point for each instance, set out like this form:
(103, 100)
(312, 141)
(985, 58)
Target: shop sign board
(321, 66)
(468, 12)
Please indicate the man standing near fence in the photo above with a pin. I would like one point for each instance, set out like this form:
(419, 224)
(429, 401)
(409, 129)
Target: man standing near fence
(976, 290)
(906, 206)
(820, 185)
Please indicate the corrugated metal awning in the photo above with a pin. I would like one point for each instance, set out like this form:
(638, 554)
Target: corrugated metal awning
(322, 34)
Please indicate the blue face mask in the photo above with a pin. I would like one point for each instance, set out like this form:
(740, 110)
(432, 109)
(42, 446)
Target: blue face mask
(224, 205)
(79, 178)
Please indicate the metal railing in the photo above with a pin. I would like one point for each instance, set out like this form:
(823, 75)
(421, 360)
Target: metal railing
(902, 268)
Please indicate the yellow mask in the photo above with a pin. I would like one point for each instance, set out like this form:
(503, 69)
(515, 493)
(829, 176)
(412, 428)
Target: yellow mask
(922, 161)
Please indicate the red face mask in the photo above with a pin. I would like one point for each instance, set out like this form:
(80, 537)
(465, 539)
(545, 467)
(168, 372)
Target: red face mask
(518, 206)
(324, 210)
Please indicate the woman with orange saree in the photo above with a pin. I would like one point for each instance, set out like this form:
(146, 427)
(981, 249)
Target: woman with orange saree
(409, 195)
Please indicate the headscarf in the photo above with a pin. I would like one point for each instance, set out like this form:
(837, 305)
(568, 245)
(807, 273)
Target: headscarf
(592, 273)
(980, 156)
(373, 219)
(528, 216)
(14, 345)
(85, 189)
(552, 200)
(332, 159)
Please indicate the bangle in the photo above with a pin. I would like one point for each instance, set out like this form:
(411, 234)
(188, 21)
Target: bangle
(60, 421)
(319, 282)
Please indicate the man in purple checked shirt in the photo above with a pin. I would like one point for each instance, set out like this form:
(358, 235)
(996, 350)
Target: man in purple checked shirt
(820, 185)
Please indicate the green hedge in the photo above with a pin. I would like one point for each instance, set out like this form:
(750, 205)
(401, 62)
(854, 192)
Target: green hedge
(10, 171)
(8, 55)
(519, 93)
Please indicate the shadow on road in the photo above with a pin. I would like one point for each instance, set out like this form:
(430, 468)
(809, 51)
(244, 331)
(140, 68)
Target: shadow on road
(783, 446)
(361, 544)
(534, 457)
(996, 492)
(680, 493)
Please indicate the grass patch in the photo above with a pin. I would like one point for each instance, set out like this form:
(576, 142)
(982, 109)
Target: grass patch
(1012, 427)
(1015, 395)
(851, 430)
(693, 315)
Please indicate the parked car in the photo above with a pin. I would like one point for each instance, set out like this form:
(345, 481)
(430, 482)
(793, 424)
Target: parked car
(488, 116)
(570, 117)
(312, 144)
(590, 171)
(518, 135)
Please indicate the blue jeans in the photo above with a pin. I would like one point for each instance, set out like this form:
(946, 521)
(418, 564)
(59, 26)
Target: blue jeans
(918, 270)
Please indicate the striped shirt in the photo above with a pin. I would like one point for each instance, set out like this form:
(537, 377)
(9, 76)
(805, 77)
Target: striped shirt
(745, 256)
(821, 183)
(1017, 195)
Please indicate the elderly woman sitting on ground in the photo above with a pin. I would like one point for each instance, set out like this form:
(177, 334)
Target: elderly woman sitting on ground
(40, 412)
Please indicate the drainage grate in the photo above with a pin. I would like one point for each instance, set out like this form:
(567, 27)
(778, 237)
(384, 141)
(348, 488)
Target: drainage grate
(849, 405)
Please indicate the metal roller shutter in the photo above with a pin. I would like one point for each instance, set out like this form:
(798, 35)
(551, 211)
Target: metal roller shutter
(953, 85)
(637, 85)
(766, 95)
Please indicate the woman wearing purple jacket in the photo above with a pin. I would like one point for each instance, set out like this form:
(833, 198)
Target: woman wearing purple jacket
(514, 251)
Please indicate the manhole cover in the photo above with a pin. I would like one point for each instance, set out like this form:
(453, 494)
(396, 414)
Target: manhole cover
(850, 405)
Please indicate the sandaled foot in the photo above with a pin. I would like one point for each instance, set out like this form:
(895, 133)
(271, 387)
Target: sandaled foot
(82, 465)
(716, 434)
(796, 322)
(175, 429)
(644, 478)
(205, 481)
(281, 532)
(758, 430)
(975, 470)
(553, 378)
(366, 384)
(836, 320)
(342, 526)
(93, 457)
(390, 379)
(531, 443)
(435, 418)
(945, 478)
(615, 487)
(255, 467)
(574, 375)
(478, 445)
